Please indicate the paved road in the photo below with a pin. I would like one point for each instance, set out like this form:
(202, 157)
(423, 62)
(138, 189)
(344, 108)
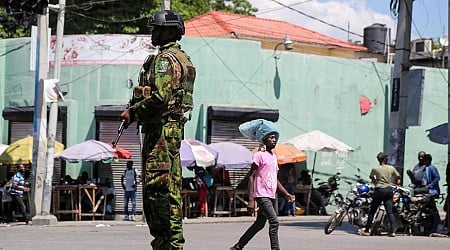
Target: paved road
(305, 232)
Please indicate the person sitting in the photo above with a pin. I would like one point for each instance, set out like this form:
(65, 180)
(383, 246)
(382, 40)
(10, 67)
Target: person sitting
(288, 179)
(110, 194)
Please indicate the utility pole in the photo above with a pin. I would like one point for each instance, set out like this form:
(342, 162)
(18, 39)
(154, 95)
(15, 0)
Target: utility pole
(40, 117)
(46, 217)
(399, 87)
(165, 5)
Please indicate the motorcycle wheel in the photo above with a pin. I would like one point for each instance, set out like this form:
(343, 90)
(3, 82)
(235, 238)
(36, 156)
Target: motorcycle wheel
(422, 227)
(334, 221)
(378, 220)
(338, 200)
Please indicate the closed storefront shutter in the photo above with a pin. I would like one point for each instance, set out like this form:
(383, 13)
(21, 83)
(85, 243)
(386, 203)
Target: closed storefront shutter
(228, 131)
(130, 141)
(223, 126)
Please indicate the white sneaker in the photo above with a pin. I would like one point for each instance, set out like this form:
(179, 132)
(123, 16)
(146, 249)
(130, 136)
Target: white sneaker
(125, 217)
(132, 218)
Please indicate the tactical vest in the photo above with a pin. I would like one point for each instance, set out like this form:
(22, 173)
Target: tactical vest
(181, 100)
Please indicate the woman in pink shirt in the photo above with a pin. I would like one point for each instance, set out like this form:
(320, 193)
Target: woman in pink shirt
(262, 187)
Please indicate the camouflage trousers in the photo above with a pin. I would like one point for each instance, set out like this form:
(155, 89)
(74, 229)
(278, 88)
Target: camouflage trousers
(162, 198)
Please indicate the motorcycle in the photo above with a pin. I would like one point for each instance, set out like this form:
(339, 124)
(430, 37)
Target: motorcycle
(325, 194)
(412, 213)
(355, 206)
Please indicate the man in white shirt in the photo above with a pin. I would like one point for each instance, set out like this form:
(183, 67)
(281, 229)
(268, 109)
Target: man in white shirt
(129, 185)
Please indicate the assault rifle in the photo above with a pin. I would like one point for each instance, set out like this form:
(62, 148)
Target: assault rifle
(139, 93)
(119, 133)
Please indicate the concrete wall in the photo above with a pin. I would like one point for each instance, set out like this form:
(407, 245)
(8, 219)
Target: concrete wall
(311, 93)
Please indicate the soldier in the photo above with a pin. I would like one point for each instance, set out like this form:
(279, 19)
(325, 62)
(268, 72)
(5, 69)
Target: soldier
(159, 105)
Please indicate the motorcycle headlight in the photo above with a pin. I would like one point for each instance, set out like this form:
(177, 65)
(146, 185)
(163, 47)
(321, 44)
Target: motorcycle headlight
(351, 196)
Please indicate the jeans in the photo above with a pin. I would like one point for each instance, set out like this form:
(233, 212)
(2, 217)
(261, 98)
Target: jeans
(266, 213)
(130, 195)
(382, 195)
(286, 207)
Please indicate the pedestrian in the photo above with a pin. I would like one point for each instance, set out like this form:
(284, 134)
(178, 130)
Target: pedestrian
(383, 177)
(431, 182)
(162, 110)
(416, 175)
(202, 189)
(5, 200)
(447, 201)
(289, 182)
(18, 189)
(263, 182)
(129, 185)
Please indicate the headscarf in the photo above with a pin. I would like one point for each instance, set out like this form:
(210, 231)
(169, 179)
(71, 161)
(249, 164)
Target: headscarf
(258, 130)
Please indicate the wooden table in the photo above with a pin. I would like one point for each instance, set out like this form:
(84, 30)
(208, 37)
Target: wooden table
(187, 196)
(305, 190)
(71, 191)
(88, 193)
(222, 195)
(240, 195)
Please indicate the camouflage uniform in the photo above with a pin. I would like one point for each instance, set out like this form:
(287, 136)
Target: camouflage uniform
(170, 76)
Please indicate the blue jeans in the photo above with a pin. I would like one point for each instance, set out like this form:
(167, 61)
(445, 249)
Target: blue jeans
(286, 207)
(266, 212)
(130, 195)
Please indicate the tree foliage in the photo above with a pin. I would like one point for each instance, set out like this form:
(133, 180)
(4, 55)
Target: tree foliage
(112, 16)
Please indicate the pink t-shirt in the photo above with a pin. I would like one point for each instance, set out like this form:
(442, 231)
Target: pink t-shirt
(265, 182)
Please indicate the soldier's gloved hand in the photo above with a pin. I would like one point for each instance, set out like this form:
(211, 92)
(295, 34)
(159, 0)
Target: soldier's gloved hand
(126, 116)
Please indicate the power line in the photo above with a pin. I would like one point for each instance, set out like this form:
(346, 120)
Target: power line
(107, 21)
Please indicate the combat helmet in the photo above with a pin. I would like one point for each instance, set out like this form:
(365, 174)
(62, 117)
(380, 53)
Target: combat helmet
(167, 18)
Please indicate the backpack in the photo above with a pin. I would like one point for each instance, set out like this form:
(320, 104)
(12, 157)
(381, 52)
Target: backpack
(8, 186)
(6, 197)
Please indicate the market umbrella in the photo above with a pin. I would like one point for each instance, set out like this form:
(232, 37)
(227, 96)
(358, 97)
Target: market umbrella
(3, 147)
(232, 155)
(195, 153)
(317, 141)
(287, 153)
(21, 151)
(90, 150)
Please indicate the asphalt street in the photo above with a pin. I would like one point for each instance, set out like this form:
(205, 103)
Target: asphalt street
(302, 232)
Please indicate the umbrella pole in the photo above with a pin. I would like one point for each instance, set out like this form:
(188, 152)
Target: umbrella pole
(311, 186)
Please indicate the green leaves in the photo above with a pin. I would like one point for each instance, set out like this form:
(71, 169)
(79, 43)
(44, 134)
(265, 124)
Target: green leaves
(113, 16)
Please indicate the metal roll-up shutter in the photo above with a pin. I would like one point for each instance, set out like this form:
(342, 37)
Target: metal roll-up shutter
(223, 123)
(130, 141)
(21, 130)
(228, 131)
(223, 126)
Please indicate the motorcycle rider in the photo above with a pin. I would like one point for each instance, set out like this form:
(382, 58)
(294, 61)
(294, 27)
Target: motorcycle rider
(382, 177)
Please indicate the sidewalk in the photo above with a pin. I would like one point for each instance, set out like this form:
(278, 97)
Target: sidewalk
(205, 220)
